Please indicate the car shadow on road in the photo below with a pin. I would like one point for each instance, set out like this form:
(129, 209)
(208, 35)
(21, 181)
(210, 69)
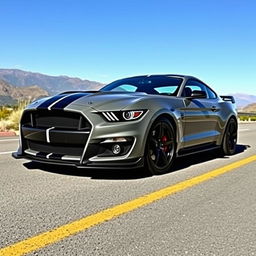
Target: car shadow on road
(180, 163)
(197, 158)
(103, 174)
(107, 174)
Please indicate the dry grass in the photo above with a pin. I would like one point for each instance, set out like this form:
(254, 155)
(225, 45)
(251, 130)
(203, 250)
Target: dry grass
(4, 125)
(5, 112)
(11, 121)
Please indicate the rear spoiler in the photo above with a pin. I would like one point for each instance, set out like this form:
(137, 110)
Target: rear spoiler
(228, 98)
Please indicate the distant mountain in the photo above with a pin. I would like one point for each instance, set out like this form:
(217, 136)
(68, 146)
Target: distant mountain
(52, 84)
(57, 84)
(243, 99)
(10, 95)
(250, 108)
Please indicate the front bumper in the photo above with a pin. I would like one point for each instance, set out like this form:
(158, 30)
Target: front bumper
(82, 148)
(119, 164)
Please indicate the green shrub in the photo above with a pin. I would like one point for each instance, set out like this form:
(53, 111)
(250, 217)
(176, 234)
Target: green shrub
(244, 118)
(247, 118)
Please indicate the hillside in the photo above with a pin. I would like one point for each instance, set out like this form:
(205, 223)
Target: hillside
(250, 108)
(52, 84)
(243, 99)
(11, 94)
(57, 84)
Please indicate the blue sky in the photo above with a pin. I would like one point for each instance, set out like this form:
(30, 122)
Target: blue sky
(106, 40)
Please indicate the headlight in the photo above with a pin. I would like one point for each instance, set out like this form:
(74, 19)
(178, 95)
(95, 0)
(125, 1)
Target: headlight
(132, 115)
(121, 116)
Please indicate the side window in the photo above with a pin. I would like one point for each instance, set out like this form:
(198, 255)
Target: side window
(193, 85)
(166, 89)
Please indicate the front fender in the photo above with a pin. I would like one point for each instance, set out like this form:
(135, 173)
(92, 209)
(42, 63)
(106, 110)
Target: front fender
(175, 117)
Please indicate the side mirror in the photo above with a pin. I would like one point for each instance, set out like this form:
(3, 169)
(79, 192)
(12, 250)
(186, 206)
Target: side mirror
(198, 94)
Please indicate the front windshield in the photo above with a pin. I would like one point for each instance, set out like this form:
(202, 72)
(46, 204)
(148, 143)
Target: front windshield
(165, 85)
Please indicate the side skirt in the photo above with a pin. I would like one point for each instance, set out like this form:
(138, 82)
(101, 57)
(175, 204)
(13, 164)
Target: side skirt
(197, 149)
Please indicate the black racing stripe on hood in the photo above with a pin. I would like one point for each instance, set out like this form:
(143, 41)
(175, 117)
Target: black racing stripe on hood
(50, 101)
(66, 101)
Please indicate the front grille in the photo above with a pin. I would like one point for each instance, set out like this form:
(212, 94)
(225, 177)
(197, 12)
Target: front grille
(47, 133)
(57, 119)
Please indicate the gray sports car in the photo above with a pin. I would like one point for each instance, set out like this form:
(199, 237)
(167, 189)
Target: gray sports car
(130, 123)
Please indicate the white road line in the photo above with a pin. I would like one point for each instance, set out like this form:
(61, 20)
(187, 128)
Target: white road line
(6, 153)
(243, 130)
(9, 140)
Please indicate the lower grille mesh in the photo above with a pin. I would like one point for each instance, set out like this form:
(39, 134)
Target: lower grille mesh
(56, 149)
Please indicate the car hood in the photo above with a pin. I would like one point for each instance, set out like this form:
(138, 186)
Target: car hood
(106, 101)
(99, 101)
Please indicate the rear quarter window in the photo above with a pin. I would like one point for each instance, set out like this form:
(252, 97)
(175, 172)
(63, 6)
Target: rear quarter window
(211, 93)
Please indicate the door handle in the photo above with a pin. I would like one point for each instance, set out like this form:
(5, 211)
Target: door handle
(214, 108)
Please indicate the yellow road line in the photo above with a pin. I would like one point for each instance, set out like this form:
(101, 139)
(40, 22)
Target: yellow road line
(57, 234)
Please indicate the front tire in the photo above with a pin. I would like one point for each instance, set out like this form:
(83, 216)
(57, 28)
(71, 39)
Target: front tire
(230, 138)
(160, 147)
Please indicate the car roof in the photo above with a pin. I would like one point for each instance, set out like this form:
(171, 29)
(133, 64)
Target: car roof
(165, 75)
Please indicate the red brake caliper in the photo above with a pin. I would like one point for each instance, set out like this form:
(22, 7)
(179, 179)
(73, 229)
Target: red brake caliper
(164, 139)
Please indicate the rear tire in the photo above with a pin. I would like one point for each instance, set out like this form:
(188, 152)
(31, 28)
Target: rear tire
(160, 147)
(230, 138)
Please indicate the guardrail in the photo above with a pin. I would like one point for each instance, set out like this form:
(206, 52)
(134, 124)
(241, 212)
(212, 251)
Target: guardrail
(246, 114)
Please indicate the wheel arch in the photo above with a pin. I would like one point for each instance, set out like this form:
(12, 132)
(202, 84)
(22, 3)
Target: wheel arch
(230, 117)
(225, 127)
(170, 117)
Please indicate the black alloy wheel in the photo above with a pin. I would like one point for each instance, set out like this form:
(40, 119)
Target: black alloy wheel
(160, 147)
(230, 138)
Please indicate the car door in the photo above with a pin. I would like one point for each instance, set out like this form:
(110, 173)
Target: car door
(200, 115)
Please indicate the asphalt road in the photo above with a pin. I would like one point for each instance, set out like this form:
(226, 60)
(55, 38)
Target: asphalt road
(215, 217)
